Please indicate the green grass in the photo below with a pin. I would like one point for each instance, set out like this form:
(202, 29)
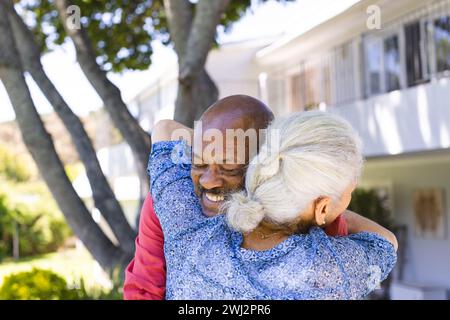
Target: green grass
(72, 264)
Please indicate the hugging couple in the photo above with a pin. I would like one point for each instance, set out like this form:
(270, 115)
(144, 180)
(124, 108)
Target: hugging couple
(268, 222)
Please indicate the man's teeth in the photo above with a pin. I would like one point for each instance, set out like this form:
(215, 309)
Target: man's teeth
(214, 197)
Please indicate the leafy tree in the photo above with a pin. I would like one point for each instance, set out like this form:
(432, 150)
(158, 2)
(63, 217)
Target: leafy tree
(114, 35)
(117, 35)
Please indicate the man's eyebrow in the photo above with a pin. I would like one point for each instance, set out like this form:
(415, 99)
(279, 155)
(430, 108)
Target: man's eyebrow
(233, 160)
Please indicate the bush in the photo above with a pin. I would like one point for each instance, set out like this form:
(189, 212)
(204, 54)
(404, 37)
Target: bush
(6, 223)
(41, 284)
(12, 167)
(41, 229)
(372, 205)
(37, 284)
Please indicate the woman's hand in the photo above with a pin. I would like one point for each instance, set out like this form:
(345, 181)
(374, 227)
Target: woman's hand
(357, 223)
(168, 130)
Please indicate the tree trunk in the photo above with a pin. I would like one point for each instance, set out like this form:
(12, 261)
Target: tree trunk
(132, 132)
(41, 147)
(194, 98)
(104, 198)
(193, 36)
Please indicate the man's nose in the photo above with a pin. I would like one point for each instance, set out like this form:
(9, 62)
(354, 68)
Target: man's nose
(211, 179)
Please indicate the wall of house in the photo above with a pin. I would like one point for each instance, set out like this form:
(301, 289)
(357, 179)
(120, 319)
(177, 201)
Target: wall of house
(402, 121)
(415, 119)
(427, 260)
(233, 68)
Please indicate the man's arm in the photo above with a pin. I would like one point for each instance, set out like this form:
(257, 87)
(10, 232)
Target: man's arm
(357, 223)
(145, 276)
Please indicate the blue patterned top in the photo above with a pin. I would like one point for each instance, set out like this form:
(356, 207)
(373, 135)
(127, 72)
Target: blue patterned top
(205, 259)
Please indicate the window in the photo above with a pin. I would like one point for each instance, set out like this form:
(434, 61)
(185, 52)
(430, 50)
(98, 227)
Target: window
(392, 67)
(276, 97)
(373, 56)
(297, 88)
(344, 65)
(442, 43)
(414, 46)
(326, 82)
(312, 85)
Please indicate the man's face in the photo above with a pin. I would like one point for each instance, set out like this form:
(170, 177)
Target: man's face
(217, 175)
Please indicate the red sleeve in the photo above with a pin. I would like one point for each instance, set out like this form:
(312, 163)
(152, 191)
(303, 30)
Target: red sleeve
(145, 276)
(338, 227)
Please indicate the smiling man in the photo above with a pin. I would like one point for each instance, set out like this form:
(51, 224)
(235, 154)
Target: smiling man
(215, 175)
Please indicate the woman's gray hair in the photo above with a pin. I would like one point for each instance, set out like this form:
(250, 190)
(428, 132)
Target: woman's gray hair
(305, 155)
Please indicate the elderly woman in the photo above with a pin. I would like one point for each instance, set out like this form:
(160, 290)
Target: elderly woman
(269, 245)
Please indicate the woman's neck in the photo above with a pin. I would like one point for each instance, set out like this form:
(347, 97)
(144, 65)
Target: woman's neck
(266, 236)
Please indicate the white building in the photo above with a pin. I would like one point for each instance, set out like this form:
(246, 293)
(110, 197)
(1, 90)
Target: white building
(391, 83)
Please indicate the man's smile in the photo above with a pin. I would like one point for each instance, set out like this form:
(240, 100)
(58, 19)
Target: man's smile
(214, 197)
(212, 202)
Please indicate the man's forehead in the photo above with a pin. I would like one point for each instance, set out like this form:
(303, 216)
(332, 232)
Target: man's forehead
(227, 154)
(233, 136)
(223, 124)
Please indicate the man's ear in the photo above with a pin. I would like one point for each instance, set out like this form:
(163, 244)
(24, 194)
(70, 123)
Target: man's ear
(323, 206)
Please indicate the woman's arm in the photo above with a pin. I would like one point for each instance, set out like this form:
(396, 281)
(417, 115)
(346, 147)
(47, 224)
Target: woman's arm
(364, 260)
(170, 130)
(357, 223)
(175, 202)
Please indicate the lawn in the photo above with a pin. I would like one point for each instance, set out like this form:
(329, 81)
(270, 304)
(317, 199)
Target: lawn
(72, 264)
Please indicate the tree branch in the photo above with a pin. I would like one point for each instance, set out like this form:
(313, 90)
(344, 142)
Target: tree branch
(41, 147)
(201, 37)
(104, 198)
(128, 126)
(179, 15)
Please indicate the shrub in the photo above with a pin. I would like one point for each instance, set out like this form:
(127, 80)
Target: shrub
(37, 284)
(372, 205)
(41, 229)
(6, 223)
(13, 167)
(41, 284)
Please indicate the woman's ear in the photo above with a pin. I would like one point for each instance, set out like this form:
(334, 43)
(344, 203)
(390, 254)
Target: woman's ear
(323, 207)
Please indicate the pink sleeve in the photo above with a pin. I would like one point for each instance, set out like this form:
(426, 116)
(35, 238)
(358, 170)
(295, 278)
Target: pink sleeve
(145, 276)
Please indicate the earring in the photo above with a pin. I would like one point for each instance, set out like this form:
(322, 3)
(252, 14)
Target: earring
(323, 222)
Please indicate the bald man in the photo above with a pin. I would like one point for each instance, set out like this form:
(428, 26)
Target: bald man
(213, 178)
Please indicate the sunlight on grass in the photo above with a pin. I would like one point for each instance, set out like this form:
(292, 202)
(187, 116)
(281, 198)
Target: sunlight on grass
(72, 264)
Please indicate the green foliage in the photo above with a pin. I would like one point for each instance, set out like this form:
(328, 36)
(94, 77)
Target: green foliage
(74, 170)
(6, 223)
(372, 205)
(12, 167)
(40, 229)
(115, 293)
(37, 284)
(28, 209)
(121, 31)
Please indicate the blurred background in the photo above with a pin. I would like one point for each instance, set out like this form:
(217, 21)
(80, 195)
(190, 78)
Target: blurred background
(74, 130)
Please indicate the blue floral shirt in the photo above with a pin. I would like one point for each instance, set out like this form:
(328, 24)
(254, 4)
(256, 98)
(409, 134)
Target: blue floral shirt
(205, 259)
